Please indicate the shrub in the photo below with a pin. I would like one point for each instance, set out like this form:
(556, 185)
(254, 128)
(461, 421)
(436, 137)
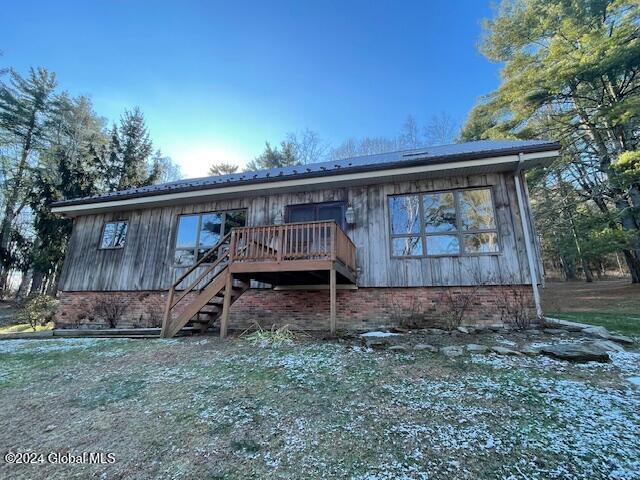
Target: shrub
(38, 310)
(407, 316)
(515, 307)
(155, 316)
(110, 310)
(457, 304)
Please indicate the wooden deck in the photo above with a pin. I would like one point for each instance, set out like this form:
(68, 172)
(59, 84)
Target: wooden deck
(309, 253)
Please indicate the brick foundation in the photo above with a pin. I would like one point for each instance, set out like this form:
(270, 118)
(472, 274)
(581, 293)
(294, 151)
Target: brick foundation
(364, 308)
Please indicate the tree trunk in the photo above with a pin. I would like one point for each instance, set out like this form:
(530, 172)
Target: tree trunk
(569, 268)
(633, 265)
(12, 201)
(36, 284)
(52, 288)
(25, 283)
(631, 256)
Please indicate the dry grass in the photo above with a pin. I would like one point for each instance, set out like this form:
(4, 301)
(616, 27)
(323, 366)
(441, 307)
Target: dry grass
(204, 408)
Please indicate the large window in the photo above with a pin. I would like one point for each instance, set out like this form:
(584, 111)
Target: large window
(114, 234)
(449, 223)
(197, 233)
(312, 212)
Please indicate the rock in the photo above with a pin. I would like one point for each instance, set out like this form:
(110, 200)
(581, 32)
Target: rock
(378, 334)
(554, 331)
(572, 327)
(497, 328)
(577, 352)
(434, 331)
(608, 346)
(475, 348)
(603, 333)
(596, 331)
(399, 329)
(378, 340)
(425, 346)
(462, 330)
(452, 351)
(48, 428)
(505, 351)
(620, 339)
(398, 348)
(527, 350)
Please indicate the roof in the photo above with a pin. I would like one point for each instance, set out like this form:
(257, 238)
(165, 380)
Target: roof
(404, 158)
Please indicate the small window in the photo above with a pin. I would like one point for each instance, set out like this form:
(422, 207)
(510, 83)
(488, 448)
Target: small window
(198, 233)
(449, 223)
(114, 234)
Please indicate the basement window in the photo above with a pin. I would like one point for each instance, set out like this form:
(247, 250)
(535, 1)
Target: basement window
(198, 233)
(450, 223)
(114, 235)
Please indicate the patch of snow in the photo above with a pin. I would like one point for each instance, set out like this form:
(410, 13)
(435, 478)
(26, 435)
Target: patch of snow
(634, 380)
(379, 334)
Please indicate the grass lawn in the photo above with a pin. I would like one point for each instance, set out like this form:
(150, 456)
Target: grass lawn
(24, 327)
(614, 304)
(205, 408)
(615, 322)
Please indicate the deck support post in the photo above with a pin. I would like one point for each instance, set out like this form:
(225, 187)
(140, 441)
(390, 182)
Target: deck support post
(167, 314)
(226, 305)
(332, 295)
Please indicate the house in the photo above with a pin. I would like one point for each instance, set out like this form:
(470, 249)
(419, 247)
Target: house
(357, 243)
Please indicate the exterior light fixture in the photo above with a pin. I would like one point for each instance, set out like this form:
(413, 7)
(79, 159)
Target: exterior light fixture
(350, 215)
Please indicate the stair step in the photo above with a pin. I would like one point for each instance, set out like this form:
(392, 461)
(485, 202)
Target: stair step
(199, 321)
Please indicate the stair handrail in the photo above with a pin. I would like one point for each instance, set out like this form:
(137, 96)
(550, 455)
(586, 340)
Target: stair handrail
(170, 300)
(206, 272)
(209, 252)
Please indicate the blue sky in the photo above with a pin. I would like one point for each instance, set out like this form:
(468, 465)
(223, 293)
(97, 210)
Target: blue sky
(217, 79)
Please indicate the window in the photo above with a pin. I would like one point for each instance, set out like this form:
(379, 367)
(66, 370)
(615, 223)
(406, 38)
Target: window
(311, 212)
(114, 234)
(198, 233)
(450, 223)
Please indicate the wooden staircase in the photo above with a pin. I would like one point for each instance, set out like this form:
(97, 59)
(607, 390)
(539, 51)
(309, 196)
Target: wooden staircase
(290, 254)
(208, 298)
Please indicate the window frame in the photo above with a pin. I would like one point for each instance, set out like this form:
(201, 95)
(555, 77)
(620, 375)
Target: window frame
(223, 232)
(459, 232)
(104, 227)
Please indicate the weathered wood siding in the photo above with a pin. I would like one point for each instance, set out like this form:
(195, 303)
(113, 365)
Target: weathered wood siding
(146, 262)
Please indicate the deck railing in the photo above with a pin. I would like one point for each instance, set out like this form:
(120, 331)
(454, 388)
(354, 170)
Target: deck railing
(323, 240)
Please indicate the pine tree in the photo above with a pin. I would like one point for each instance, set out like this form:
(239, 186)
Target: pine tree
(274, 158)
(135, 148)
(222, 168)
(25, 104)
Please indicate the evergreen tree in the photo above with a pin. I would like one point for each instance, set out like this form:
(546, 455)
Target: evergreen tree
(68, 168)
(572, 73)
(134, 148)
(274, 158)
(25, 104)
(222, 168)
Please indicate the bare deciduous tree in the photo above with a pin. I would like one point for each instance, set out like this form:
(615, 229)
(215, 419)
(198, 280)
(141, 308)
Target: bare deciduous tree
(308, 146)
(441, 129)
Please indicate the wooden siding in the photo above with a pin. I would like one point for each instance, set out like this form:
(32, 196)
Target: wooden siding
(146, 261)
